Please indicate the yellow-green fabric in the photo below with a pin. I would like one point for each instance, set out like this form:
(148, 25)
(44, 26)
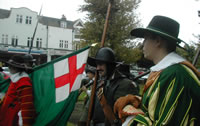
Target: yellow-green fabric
(173, 99)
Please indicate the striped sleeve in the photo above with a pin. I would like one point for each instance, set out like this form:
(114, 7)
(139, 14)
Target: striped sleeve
(27, 106)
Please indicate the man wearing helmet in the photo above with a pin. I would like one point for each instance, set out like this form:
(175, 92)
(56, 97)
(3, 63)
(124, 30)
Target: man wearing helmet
(29, 61)
(111, 85)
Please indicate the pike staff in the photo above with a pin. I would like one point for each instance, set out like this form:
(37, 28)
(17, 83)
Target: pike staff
(91, 106)
(34, 32)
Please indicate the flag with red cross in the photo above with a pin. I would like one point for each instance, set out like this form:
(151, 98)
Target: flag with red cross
(56, 85)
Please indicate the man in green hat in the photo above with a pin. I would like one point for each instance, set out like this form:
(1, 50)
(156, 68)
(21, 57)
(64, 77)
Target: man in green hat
(171, 95)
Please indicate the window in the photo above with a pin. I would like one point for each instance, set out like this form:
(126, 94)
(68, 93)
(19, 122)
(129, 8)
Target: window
(29, 41)
(19, 18)
(28, 19)
(66, 44)
(39, 43)
(77, 31)
(4, 39)
(63, 24)
(61, 44)
(14, 41)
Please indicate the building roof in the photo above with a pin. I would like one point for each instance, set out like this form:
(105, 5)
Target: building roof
(4, 13)
(55, 22)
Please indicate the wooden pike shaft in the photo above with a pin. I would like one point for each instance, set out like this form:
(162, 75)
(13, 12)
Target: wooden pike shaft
(91, 106)
(106, 25)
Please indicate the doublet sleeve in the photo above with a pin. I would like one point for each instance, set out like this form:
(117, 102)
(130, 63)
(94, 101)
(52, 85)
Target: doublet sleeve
(25, 95)
(125, 87)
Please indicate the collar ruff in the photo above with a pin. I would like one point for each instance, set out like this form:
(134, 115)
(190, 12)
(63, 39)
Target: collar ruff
(15, 77)
(170, 59)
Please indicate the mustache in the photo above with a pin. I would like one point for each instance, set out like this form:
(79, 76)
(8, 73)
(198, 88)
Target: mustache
(100, 70)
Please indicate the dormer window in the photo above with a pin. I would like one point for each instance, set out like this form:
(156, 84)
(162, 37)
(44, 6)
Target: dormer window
(63, 24)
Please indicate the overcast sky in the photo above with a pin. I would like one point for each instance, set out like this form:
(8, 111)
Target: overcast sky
(184, 11)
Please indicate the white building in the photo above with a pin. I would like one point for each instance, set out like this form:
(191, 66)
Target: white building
(53, 37)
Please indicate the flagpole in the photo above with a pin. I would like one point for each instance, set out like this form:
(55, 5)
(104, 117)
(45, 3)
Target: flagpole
(91, 106)
(34, 32)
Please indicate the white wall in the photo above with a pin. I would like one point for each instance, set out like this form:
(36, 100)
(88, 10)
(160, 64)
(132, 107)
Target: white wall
(56, 34)
(22, 30)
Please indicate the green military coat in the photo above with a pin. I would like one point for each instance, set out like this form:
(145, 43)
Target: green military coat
(173, 99)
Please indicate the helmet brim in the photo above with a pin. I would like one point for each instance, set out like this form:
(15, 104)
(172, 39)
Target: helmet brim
(92, 62)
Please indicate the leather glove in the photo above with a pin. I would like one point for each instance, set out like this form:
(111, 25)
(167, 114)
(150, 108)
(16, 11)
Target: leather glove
(122, 102)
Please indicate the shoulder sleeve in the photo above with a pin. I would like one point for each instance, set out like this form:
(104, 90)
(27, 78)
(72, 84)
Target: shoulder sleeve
(125, 87)
(25, 81)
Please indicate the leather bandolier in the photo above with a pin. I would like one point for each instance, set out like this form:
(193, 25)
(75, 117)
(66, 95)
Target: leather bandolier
(106, 94)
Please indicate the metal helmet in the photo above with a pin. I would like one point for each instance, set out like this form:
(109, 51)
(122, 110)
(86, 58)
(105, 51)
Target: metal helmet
(28, 58)
(105, 54)
(90, 69)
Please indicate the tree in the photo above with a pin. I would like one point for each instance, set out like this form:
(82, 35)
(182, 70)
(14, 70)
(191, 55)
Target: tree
(197, 45)
(123, 18)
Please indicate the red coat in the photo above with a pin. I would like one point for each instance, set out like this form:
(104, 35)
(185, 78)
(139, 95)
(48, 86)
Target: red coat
(19, 97)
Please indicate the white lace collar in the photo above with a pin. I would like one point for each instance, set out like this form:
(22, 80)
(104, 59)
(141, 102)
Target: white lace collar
(170, 59)
(15, 77)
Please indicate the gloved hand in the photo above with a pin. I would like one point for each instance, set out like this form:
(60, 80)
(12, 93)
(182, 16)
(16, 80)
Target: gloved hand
(122, 102)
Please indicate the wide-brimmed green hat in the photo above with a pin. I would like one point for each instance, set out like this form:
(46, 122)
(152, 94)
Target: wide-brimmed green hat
(162, 26)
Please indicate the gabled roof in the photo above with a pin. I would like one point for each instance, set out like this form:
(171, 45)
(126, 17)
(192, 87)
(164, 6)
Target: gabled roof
(78, 23)
(4, 13)
(54, 22)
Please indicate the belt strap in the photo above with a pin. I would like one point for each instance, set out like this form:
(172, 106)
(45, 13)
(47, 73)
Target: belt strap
(106, 107)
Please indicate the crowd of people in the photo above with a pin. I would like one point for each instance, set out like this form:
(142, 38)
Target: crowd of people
(170, 96)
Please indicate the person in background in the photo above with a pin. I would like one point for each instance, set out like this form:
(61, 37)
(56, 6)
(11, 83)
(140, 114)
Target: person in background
(171, 95)
(17, 107)
(90, 73)
(29, 61)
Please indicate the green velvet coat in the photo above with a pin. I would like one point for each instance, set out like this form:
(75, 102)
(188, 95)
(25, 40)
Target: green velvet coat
(173, 99)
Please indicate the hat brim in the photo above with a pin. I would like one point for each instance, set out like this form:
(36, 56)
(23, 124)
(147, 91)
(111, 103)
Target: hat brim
(92, 62)
(17, 65)
(140, 32)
